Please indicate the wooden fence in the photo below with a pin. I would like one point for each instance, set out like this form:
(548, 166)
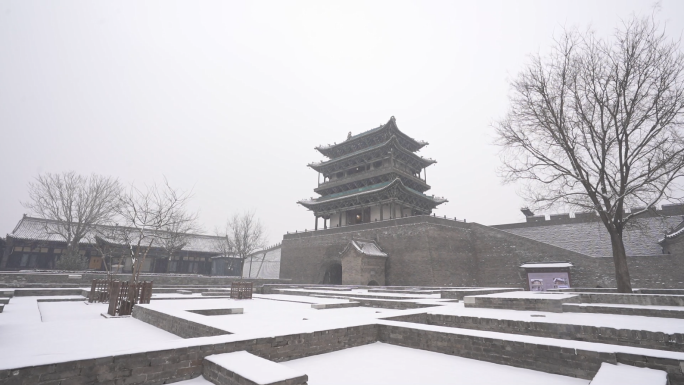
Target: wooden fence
(241, 290)
(99, 290)
(124, 295)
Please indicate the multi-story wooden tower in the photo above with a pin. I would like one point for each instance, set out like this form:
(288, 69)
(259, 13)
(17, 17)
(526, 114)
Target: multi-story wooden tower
(373, 176)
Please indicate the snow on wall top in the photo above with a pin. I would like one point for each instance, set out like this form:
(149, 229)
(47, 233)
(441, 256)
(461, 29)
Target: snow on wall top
(254, 368)
(591, 238)
(545, 265)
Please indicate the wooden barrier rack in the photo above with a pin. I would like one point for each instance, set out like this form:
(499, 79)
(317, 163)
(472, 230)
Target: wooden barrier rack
(241, 290)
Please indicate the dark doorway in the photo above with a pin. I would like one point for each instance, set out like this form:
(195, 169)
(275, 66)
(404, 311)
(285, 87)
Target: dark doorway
(160, 265)
(355, 217)
(372, 283)
(333, 275)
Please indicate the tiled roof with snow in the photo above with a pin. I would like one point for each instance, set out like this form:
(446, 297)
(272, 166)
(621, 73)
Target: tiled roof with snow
(591, 238)
(368, 248)
(677, 231)
(545, 265)
(369, 189)
(39, 229)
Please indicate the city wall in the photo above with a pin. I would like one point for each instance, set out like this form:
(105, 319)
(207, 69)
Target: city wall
(432, 251)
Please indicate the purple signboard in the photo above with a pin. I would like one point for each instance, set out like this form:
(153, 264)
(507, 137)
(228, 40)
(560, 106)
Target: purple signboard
(548, 280)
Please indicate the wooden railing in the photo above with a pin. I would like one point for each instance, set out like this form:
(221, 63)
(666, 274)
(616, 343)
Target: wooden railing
(124, 295)
(241, 290)
(100, 289)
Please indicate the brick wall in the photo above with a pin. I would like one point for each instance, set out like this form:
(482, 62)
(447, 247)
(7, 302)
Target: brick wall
(179, 326)
(543, 303)
(172, 365)
(360, 269)
(636, 338)
(549, 359)
(423, 251)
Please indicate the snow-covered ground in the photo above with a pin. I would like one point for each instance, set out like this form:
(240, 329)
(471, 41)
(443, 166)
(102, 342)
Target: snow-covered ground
(380, 364)
(32, 331)
(282, 314)
(195, 381)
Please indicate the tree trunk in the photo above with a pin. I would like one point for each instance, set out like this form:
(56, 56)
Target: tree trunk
(250, 266)
(620, 262)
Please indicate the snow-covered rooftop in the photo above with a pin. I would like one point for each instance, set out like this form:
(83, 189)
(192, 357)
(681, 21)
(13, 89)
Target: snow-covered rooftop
(368, 248)
(545, 265)
(39, 229)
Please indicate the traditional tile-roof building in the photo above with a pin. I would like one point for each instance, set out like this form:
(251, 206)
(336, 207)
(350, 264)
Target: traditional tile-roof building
(363, 263)
(263, 264)
(370, 177)
(34, 244)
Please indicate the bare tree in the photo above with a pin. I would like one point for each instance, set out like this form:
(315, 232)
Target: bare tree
(242, 236)
(75, 204)
(154, 217)
(177, 234)
(597, 125)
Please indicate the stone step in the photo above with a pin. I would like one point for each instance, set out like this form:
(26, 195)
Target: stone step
(610, 374)
(243, 368)
(7, 293)
(186, 292)
(4, 300)
(321, 306)
(645, 311)
(1, 308)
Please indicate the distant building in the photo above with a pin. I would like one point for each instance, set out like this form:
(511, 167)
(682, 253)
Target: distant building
(32, 245)
(263, 263)
(370, 177)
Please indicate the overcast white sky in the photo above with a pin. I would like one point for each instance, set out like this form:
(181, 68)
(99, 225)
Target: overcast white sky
(228, 99)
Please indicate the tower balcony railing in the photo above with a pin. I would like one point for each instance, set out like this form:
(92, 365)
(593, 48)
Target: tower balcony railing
(375, 172)
(378, 223)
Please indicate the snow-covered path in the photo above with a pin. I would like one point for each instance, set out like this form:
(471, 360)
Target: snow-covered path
(384, 364)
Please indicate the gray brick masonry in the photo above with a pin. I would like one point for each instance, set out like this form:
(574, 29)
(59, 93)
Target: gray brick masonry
(606, 335)
(172, 365)
(236, 310)
(644, 312)
(220, 375)
(181, 327)
(321, 306)
(543, 303)
(429, 251)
